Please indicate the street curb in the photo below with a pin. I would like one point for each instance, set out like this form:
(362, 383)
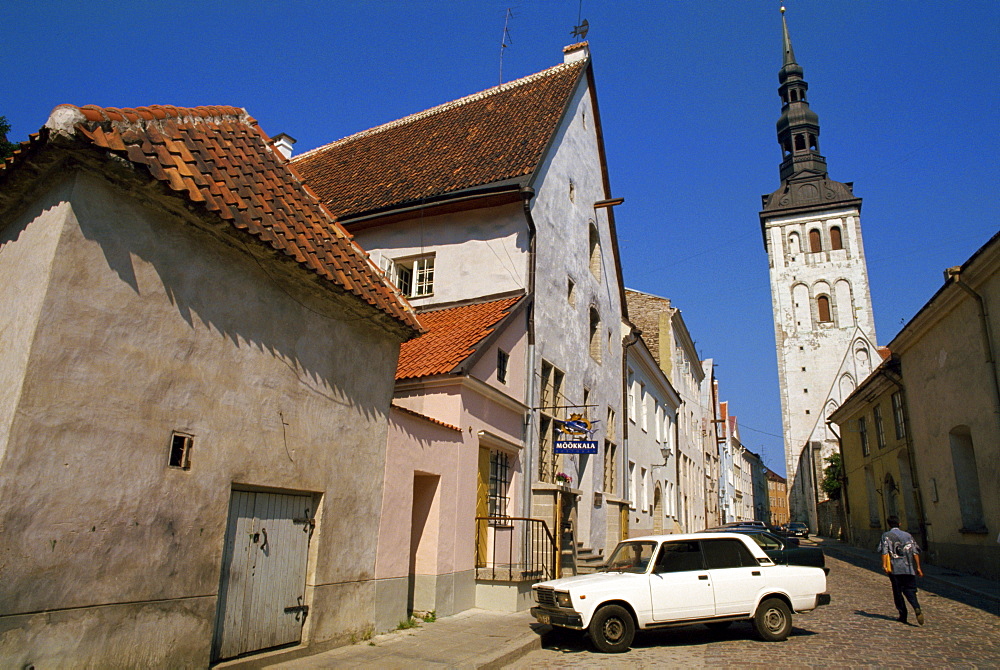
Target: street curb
(511, 651)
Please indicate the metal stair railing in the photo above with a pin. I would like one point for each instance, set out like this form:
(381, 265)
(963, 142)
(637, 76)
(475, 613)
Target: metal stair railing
(516, 549)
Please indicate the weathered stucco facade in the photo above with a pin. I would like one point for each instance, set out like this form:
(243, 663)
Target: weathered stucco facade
(132, 327)
(920, 438)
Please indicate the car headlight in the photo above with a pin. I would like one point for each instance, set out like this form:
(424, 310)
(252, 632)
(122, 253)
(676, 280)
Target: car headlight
(562, 599)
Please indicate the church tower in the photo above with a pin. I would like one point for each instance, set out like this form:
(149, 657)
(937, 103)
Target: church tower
(824, 329)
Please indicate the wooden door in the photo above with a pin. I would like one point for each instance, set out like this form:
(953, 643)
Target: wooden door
(262, 589)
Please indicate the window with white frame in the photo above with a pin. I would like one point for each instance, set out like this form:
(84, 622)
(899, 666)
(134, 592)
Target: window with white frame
(414, 276)
(643, 407)
(644, 500)
(631, 396)
(658, 420)
(632, 485)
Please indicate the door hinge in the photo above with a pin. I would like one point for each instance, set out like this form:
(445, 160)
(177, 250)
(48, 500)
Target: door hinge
(307, 521)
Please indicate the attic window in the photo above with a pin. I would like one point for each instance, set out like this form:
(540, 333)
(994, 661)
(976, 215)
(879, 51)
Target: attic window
(595, 252)
(572, 191)
(180, 450)
(571, 291)
(414, 277)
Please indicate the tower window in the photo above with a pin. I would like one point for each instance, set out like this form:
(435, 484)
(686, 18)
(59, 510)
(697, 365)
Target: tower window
(813, 144)
(800, 142)
(836, 241)
(815, 241)
(823, 306)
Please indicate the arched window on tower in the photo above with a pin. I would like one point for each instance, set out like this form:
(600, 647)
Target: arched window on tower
(815, 242)
(787, 147)
(823, 307)
(836, 242)
(800, 142)
(793, 243)
(813, 144)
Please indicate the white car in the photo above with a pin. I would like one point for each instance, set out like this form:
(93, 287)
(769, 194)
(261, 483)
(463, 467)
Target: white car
(676, 580)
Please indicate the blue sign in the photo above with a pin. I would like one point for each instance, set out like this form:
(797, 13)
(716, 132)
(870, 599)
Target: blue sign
(576, 446)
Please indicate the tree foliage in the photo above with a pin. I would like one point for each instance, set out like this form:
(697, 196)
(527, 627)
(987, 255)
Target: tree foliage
(833, 476)
(6, 148)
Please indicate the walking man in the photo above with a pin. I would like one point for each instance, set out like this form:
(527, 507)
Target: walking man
(901, 561)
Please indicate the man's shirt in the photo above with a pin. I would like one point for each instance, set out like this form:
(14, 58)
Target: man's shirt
(900, 547)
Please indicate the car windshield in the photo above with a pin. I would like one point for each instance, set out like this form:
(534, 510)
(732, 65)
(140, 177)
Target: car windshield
(630, 557)
(796, 524)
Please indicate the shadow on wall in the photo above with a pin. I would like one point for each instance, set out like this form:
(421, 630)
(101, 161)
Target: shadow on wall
(232, 286)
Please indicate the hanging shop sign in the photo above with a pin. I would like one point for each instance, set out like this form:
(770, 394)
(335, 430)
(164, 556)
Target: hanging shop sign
(575, 436)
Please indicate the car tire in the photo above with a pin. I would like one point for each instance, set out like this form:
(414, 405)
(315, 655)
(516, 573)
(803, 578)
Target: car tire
(612, 629)
(773, 620)
(718, 625)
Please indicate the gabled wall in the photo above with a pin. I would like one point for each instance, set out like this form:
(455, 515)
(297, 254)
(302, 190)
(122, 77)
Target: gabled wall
(150, 325)
(563, 216)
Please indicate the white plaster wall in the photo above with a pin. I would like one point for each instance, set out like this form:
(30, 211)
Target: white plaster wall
(26, 256)
(477, 252)
(562, 329)
(150, 325)
(811, 354)
(643, 445)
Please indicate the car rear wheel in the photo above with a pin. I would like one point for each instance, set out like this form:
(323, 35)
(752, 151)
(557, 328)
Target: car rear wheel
(773, 620)
(612, 629)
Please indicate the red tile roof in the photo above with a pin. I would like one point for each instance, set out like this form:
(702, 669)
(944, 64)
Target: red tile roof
(219, 159)
(451, 337)
(493, 136)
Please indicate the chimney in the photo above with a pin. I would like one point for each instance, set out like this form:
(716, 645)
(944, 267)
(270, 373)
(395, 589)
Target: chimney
(575, 52)
(283, 143)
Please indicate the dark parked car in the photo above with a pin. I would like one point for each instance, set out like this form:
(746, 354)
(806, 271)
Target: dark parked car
(781, 550)
(798, 529)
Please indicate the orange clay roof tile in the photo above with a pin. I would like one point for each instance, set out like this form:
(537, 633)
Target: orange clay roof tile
(219, 157)
(489, 137)
(451, 337)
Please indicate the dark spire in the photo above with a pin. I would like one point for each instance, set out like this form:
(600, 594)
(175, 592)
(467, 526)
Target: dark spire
(798, 127)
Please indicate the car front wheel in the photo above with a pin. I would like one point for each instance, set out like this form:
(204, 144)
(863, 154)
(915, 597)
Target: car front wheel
(612, 629)
(773, 620)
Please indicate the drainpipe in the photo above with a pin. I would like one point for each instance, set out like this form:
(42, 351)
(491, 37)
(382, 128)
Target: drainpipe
(955, 275)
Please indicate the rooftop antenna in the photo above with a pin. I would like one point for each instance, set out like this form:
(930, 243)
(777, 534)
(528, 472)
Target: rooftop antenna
(582, 27)
(506, 40)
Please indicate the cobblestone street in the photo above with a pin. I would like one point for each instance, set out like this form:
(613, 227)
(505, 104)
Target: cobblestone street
(858, 628)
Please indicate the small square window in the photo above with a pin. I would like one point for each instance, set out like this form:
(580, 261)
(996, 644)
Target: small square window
(180, 451)
(503, 359)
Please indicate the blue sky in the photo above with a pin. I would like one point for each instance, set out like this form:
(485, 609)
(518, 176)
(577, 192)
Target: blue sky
(906, 92)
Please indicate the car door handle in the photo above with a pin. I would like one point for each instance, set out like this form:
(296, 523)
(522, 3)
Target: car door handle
(755, 573)
(703, 577)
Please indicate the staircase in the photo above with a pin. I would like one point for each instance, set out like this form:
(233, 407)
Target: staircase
(587, 560)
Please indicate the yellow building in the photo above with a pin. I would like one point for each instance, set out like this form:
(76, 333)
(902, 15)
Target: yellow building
(777, 495)
(878, 472)
(920, 437)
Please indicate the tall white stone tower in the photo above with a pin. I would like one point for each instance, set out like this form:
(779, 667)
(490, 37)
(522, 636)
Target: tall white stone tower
(824, 330)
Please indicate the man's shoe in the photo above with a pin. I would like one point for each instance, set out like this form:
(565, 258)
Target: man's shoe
(901, 619)
(920, 617)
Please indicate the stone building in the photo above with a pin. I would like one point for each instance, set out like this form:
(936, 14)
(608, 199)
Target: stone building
(823, 323)
(193, 349)
(507, 191)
